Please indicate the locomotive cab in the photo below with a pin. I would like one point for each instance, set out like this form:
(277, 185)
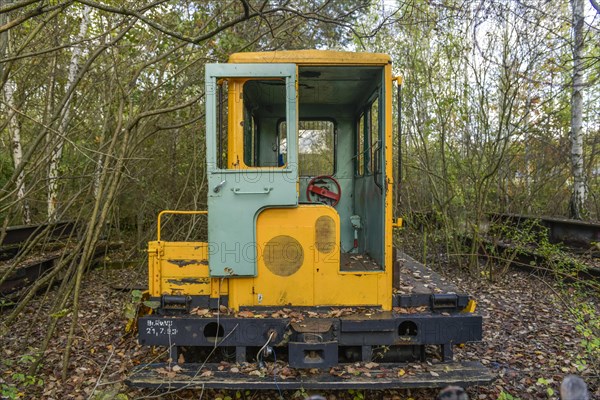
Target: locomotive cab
(298, 178)
(299, 186)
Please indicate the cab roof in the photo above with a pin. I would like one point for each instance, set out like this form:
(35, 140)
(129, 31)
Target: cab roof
(311, 57)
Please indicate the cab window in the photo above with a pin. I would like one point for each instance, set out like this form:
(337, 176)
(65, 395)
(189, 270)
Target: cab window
(316, 146)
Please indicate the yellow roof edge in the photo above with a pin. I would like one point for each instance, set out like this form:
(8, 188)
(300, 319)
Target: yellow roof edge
(311, 57)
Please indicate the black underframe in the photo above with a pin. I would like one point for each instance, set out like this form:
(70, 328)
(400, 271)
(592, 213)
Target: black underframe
(383, 329)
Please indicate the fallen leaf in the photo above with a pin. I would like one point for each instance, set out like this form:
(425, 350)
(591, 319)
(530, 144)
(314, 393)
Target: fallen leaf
(245, 314)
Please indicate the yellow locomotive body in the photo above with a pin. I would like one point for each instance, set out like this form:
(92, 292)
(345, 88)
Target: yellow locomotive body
(320, 279)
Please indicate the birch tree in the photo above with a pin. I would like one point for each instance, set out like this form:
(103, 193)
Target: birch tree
(576, 133)
(58, 141)
(14, 128)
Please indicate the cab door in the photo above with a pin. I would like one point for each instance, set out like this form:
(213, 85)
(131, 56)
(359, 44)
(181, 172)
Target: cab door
(238, 190)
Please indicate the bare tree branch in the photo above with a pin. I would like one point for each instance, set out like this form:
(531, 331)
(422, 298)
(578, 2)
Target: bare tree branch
(17, 5)
(31, 14)
(39, 138)
(247, 15)
(52, 49)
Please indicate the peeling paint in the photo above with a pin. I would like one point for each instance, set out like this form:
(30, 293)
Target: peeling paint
(185, 263)
(189, 281)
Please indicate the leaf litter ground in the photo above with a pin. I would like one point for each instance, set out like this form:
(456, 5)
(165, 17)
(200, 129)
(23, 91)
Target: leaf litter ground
(530, 342)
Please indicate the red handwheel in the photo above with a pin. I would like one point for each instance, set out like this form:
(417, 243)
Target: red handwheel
(320, 187)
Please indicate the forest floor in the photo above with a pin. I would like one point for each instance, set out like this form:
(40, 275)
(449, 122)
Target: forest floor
(531, 341)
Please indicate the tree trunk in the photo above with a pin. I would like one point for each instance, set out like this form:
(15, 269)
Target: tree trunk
(14, 129)
(579, 191)
(65, 116)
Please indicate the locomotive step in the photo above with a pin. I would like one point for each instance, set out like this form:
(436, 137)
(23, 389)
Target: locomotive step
(396, 376)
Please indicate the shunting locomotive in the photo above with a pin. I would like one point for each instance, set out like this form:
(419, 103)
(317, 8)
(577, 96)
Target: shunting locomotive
(298, 267)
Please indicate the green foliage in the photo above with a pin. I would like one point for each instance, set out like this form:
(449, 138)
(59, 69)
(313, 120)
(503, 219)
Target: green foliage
(300, 394)
(6, 303)
(510, 241)
(132, 306)
(135, 306)
(545, 383)
(529, 236)
(507, 396)
(485, 126)
(61, 313)
(19, 382)
(588, 326)
(9, 391)
(356, 394)
(110, 394)
(6, 168)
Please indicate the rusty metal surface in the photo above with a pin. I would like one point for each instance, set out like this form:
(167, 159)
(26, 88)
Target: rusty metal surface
(28, 273)
(189, 281)
(29, 270)
(185, 263)
(283, 255)
(529, 259)
(568, 231)
(312, 325)
(20, 234)
(325, 234)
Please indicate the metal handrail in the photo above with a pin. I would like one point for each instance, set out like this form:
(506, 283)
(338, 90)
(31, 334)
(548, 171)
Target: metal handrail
(175, 212)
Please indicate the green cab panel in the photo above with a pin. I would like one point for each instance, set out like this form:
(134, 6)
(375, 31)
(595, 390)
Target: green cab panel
(236, 196)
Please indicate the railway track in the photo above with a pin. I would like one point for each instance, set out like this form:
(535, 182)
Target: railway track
(577, 235)
(42, 257)
(17, 236)
(578, 243)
